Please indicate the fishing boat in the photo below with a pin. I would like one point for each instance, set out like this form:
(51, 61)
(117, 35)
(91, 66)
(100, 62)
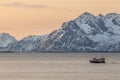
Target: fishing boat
(97, 60)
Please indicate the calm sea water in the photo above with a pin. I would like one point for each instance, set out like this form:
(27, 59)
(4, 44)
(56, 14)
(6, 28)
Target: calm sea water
(65, 66)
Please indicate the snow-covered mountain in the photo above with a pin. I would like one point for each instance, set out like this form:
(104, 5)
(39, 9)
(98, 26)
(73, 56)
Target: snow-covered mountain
(27, 44)
(5, 40)
(85, 33)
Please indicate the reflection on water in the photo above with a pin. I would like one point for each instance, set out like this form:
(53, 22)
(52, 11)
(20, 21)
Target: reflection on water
(65, 66)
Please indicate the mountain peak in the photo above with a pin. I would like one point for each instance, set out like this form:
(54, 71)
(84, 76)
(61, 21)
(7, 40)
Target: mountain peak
(86, 13)
(4, 34)
(6, 39)
(112, 15)
(85, 17)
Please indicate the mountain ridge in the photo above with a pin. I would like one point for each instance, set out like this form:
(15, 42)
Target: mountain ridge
(86, 33)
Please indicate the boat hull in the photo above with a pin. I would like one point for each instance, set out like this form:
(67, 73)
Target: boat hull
(94, 61)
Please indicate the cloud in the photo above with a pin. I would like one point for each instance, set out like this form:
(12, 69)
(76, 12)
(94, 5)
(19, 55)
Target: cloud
(21, 4)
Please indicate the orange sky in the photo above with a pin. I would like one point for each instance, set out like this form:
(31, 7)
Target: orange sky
(21, 18)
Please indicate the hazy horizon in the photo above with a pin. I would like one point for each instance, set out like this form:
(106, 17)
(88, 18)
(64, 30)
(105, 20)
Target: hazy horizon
(23, 18)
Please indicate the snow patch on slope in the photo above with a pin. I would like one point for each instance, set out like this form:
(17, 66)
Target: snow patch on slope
(86, 28)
